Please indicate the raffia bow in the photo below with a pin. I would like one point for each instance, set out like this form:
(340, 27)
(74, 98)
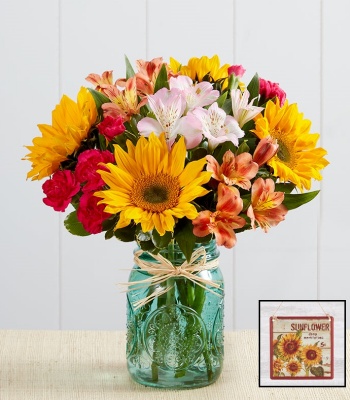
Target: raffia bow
(164, 270)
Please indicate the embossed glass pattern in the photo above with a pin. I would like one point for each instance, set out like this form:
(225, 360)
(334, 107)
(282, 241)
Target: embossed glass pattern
(176, 340)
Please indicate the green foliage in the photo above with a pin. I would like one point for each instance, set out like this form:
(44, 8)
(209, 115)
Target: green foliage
(129, 69)
(126, 234)
(253, 88)
(99, 99)
(221, 100)
(198, 153)
(161, 241)
(292, 201)
(162, 79)
(227, 106)
(221, 149)
(317, 371)
(242, 148)
(184, 237)
(74, 226)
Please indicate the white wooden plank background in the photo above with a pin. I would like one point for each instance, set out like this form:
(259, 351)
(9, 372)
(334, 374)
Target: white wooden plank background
(52, 280)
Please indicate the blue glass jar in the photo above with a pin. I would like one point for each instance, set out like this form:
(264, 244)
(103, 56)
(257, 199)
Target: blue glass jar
(176, 339)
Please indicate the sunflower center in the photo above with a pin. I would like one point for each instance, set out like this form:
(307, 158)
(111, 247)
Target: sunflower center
(156, 193)
(285, 151)
(290, 347)
(311, 354)
(293, 366)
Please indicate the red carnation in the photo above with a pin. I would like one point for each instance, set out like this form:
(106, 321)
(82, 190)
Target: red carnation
(269, 90)
(111, 127)
(91, 214)
(88, 163)
(60, 189)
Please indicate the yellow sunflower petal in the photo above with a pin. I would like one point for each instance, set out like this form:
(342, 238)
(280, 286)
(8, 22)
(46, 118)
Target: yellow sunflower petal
(297, 160)
(161, 192)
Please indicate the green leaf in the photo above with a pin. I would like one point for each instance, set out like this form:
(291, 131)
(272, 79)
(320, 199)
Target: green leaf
(221, 99)
(299, 333)
(253, 87)
(126, 234)
(292, 201)
(161, 241)
(198, 153)
(243, 148)
(184, 236)
(284, 187)
(204, 239)
(221, 150)
(147, 246)
(317, 371)
(99, 99)
(129, 69)
(162, 79)
(227, 106)
(74, 226)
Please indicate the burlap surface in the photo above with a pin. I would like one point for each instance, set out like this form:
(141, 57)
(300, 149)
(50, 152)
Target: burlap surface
(72, 365)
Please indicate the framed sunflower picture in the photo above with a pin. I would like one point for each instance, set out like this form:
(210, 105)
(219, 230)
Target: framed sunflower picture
(301, 347)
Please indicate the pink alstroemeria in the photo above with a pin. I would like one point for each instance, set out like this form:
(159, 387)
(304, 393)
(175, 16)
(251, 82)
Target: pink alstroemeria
(241, 110)
(217, 126)
(125, 102)
(234, 170)
(196, 94)
(224, 220)
(168, 107)
(266, 207)
(265, 150)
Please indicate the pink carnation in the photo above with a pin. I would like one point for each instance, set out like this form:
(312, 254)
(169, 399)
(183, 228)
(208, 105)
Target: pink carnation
(111, 127)
(91, 214)
(238, 70)
(88, 163)
(60, 189)
(269, 90)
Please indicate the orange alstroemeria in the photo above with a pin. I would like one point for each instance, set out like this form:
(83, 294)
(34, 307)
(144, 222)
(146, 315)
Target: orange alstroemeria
(265, 150)
(234, 170)
(224, 220)
(101, 82)
(125, 102)
(266, 207)
(146, 76)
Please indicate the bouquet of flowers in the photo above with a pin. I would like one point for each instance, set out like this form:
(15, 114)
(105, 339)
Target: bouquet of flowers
(176, 156)
(176, 152)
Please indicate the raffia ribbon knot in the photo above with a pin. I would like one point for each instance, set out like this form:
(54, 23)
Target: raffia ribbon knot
(164, 270)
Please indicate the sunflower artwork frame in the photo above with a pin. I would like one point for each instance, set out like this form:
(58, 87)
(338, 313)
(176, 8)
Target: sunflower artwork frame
(302, 347)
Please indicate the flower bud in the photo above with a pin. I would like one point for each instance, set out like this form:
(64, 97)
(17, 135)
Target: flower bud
(238, 70)
(265, 150)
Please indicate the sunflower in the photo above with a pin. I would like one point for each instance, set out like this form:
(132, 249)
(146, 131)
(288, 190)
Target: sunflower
(277, 366)
(311, 355)
(71, 123)
(293, 367)
(297, 159)
(289, 346)
(198, 68)
(151, 186)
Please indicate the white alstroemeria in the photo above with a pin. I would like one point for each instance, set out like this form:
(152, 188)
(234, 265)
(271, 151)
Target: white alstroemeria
(242, 111)
(197, 94)
(217, 126)
(168, 107)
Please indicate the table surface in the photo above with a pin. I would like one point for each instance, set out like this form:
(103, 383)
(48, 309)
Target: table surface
(86, 365)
